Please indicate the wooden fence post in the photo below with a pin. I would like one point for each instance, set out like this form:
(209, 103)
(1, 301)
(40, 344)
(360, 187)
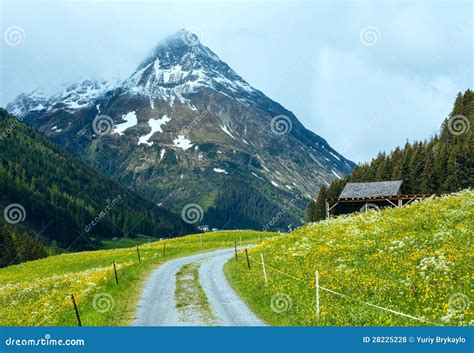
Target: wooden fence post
(317, 294)
(115, 272)
(248, 260)
(235, 247)
(78, 317)
(138, 253)
(264, 270)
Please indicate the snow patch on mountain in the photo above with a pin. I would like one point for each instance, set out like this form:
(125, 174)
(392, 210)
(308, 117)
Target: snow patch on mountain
(332, 154)
(38, 107)
(256, 176)
(226, 130)
(337, 175)
(219, 170)
(130, 120)
(155, 125)
(182, 142)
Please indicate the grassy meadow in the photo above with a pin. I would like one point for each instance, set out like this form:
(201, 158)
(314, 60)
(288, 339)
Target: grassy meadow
(38, 293)
(416, 260)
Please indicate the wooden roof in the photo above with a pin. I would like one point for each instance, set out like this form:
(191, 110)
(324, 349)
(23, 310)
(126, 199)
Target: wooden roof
(372, 189)
(403, 197)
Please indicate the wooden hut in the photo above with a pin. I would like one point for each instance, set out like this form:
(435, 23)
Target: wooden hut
(357, 197)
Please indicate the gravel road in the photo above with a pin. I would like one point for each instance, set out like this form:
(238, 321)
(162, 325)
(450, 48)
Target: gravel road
(226, 305)
(157, 305)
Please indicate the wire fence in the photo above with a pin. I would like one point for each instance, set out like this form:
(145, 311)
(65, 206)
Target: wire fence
(318, 287)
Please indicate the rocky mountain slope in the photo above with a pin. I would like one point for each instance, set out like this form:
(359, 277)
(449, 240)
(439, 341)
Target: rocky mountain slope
(185, 129)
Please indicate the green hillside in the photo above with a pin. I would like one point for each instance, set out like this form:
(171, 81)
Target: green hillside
(61, 196)
(37, 293)
(416, 260)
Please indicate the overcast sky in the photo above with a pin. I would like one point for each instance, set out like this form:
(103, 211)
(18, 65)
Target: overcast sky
(365, 75)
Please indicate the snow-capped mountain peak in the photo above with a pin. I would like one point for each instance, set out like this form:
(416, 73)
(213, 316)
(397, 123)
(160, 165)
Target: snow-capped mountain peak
(75, 96)
(180, 64)
(81, 94)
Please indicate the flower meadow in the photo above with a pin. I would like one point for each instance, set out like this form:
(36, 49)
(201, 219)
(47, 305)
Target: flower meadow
(416, 260)
(38, 293)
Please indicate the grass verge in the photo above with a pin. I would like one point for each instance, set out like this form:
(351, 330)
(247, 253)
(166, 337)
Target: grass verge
(191, 301)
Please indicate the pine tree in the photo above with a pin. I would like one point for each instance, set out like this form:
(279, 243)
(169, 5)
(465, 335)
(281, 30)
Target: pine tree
(8, 255)
(54, 248)
(451, 183)
(29, 248)
(316, 210)
(428, 183)
(310, 211)
(320, 206)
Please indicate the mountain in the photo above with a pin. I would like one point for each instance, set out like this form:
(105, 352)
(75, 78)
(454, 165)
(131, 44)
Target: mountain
(185, 130)
(442, 164)
(50, 193)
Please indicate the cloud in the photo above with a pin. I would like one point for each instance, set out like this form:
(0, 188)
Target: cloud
(366, 108)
